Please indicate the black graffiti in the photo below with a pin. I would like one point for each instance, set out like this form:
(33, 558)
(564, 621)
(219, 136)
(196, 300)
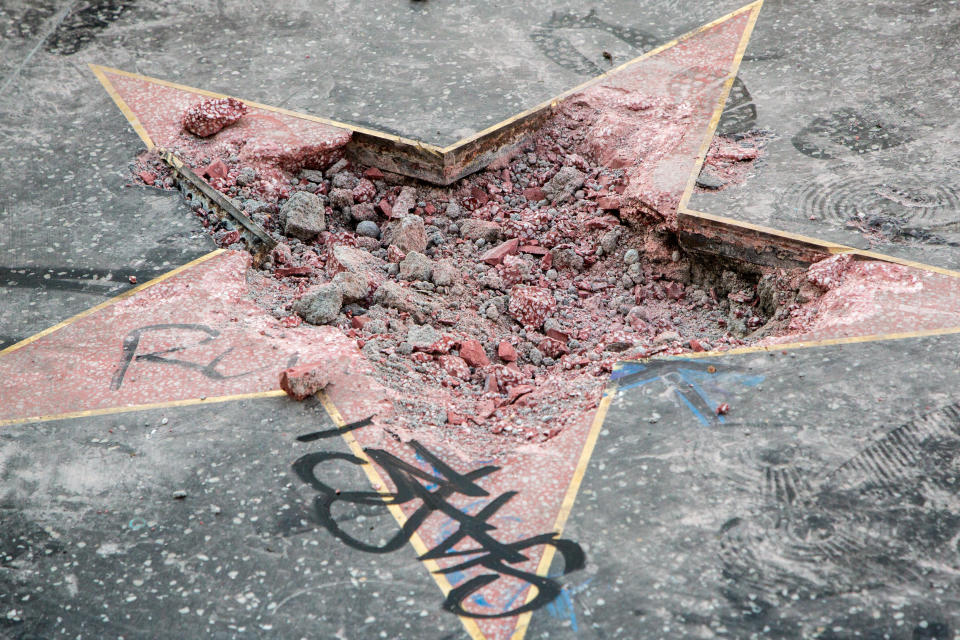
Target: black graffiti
(332, 433)
(209, 369)
(412, 483)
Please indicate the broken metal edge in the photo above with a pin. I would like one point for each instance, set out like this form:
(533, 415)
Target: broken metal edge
(198, 192)
(415, 158)
(746, 244)
(750, 243)
(421, 162)
(446, 167)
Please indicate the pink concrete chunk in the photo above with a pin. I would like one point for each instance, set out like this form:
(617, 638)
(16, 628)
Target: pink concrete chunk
(496, 255)
(506, 352)
(530, 306)
(472, 352)
(210, 116)
(305, 380)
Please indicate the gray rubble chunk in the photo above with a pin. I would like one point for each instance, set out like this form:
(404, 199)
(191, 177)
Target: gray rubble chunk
(373, 349)
(368, 228)
(353, 286)
(492, 280)
(392, 295)
(302, 216)
(341, 198)
(416, 266)
(435, 236)
(246, 176)
(357, 261)
(535, 356)
(564, 183)
(566, 258)
(396, 296)
(363, 212)
(422, 336)
(707, 180)
(609, 240)
(320, 304)
(338, 166)
(312, 175)
(453, 211)
(255, 206)
(344, 180)
(444, 273)
(473, 229)
(408, 233)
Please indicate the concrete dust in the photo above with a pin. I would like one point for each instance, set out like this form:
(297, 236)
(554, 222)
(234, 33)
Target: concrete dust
(498, 305)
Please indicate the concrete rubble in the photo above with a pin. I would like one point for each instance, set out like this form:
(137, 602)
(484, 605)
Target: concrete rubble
(506, 298)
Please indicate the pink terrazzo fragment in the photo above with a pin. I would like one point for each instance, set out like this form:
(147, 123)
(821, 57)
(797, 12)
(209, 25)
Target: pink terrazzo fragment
(530, 306)
(303, 381)
(210, 116)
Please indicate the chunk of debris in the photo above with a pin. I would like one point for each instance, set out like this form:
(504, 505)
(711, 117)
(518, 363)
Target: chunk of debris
(473, 354)
(566, 258)
(320, 304)
(341, 198)
(473, 229)
(454, 366)
(353, 286)
(506, 351)
(407, 234)
(312, 175)
(215, 170)
(368, 228)
(405, 202)
(496, 255)
(422, 337)
(246, 176)
(416, 266)
(210, 116)
(530, 306)
(444, 273)
(395, 296)
(564, 183)
(302, 215)
(707, 180)
(305, 380)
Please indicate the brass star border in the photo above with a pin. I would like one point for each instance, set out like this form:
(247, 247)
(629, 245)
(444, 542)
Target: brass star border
(699, 231)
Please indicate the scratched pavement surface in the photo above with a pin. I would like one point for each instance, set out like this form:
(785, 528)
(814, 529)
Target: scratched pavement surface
(94, 543)
(822, 506)
(862, 119)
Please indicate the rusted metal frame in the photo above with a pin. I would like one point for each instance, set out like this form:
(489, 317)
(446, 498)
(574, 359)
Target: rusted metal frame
(743, 244)
(256, 237)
